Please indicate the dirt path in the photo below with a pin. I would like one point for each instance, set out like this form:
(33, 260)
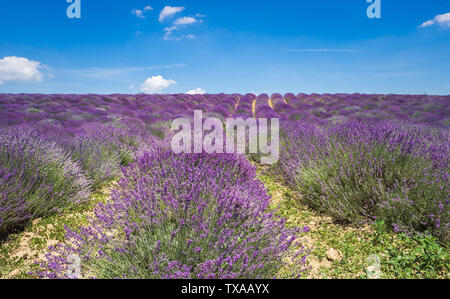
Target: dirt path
(333, 251)
(21, 252)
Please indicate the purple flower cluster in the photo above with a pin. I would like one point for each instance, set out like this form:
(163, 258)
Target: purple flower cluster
(357, 171)
(148, 111)
(183, 216)
(36, 178)
(418, 109)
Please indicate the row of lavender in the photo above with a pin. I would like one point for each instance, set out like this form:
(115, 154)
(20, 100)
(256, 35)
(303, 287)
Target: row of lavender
(357, 157)
(183, 216)
(47, 167)
(171, 216)
(145, 110)
(361, 172)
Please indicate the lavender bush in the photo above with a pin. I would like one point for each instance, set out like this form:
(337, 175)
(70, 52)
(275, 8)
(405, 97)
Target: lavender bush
(182, 216)
(36, 178)
(100, 148)
(360, 171)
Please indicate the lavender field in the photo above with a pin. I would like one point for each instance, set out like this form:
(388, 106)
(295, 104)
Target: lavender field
(91, 179)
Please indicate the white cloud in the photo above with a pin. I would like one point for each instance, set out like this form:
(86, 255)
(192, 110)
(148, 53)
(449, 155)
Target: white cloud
(140, 13)
(14, 68)
(180, 22)
(156, 84)
(185, 21)
(426, 24)
(196, 91)
(169, 31)
(169, 11)
(441, 20)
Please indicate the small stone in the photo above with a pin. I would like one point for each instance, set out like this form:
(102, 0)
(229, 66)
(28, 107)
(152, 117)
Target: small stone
(52, 243)
(36, 221)
(24, 254)
(13, 274)
(333, 254)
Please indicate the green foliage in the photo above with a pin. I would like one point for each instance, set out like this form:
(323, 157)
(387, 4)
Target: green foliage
(416, 256)
(426, 259)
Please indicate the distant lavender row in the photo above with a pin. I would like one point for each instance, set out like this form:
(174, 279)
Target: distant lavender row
(149, 110)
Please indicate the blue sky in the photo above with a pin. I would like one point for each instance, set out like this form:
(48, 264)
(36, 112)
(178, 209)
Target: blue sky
(225, 46)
